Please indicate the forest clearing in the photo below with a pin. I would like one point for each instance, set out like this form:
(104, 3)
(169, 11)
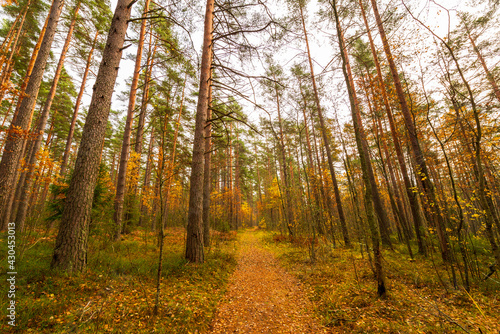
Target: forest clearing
(250, 166)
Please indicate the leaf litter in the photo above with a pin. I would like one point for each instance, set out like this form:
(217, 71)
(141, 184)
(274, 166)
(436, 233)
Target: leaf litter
(262, 297)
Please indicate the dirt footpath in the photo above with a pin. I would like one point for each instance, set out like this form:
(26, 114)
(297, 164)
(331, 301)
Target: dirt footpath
(262, 297)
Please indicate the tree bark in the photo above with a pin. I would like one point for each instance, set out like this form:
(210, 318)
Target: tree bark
(194, 237)
(311, 171)
(70, 253)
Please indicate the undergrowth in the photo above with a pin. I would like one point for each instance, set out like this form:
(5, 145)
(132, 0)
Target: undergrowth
(342, 286)
(116, 293)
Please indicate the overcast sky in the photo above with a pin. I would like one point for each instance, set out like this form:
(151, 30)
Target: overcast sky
(322, 47)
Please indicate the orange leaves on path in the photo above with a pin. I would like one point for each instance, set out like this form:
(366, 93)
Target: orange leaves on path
(262, 297)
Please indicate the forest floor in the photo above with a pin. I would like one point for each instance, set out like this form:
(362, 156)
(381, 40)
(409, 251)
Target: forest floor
(253, 281)
(421, 297)
(117, 291)
(262, 297)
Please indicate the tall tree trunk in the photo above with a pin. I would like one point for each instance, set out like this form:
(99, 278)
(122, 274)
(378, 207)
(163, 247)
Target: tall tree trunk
(207, 179)
(122, 170)
(23, 204)
(171, 162)
(29, 69)
(21, 93)
(20, 177)
(21, 123)
(70, 252)
(286, 178)
(322, 183)
(8, 214)
(311, 171)
(230, 179)
(134, 188)
(145, 99)
(412, 196)
(340, 209)
(159, 174)
(377, 201)
(392, 187)
(72, 125)
(421, 171)
(364, 158)
(194, 237)
(237, 186)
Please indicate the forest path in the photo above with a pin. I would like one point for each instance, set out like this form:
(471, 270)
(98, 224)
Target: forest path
(262, 297)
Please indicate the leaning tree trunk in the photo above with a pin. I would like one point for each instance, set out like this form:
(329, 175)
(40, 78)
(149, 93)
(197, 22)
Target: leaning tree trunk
(194, 237)
(42, 122)
(340, 209)
(377, 201)
(122, 170)
(412, 197)
(21, 93)
(70, 252)
(421, 171)
(364, 158)
(21, 123)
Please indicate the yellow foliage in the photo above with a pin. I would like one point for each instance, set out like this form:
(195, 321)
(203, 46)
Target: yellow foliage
(133, 165)
(4, 3)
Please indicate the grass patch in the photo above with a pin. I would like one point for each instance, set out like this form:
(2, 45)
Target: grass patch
(342, 287)
(116, 293)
